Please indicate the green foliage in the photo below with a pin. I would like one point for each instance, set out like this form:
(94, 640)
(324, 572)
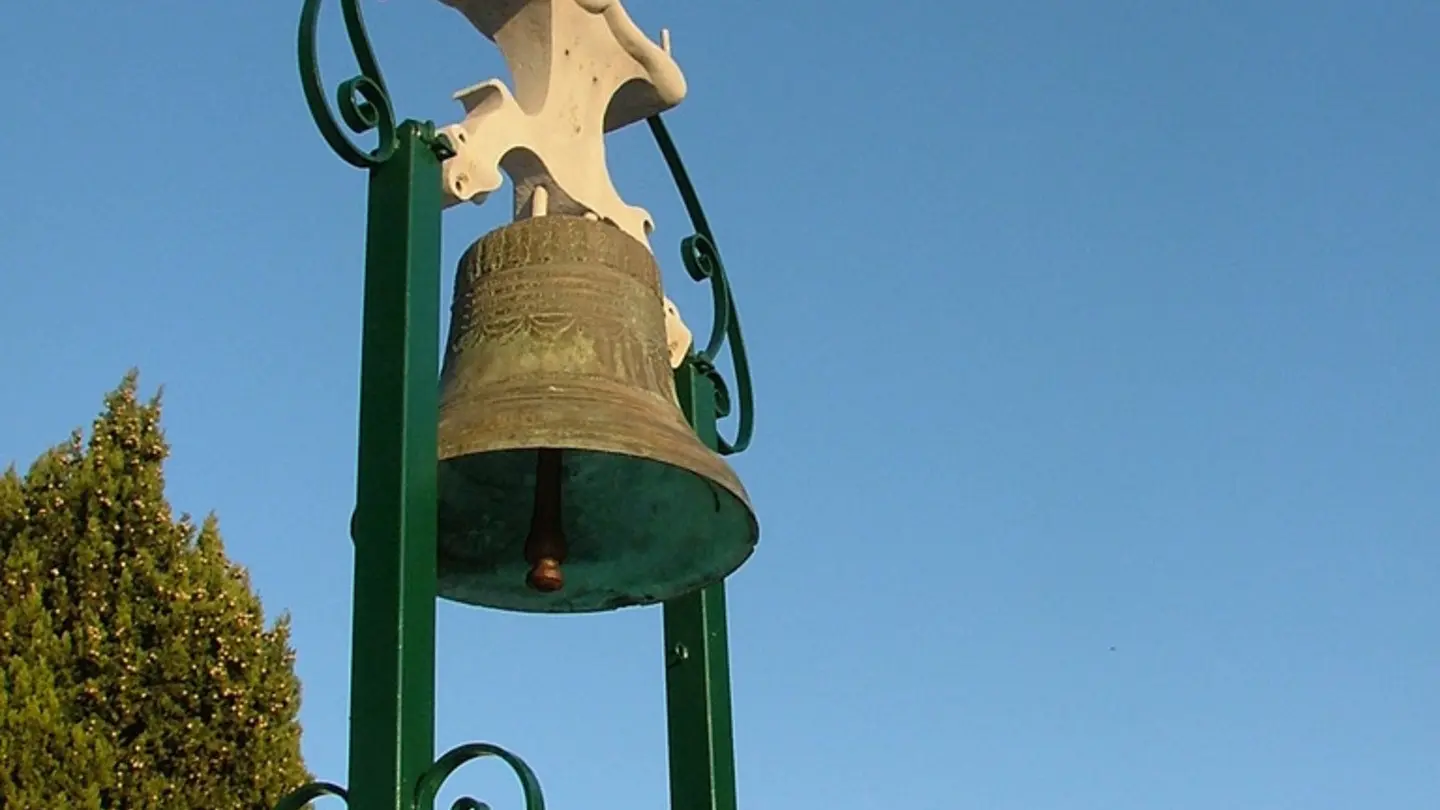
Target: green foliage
(136, 670)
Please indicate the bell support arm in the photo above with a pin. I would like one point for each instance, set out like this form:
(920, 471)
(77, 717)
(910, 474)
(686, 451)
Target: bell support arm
(392, 680)
(702, 261)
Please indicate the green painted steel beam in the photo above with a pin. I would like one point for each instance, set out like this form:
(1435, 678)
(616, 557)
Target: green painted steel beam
(697, 653)
(392, 686)
(697, 658)
(392, 658)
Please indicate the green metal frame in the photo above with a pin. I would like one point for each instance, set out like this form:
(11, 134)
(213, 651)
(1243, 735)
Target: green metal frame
(697, 653)
(392, 671)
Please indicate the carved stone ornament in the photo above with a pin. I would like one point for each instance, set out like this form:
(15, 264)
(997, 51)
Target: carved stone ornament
(581, 68)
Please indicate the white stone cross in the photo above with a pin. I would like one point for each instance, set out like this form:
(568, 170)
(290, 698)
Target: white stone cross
(581, 68)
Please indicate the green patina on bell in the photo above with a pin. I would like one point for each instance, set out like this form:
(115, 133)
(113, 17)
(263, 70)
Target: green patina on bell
(570, 481)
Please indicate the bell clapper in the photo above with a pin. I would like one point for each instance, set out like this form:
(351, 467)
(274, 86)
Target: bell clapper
(545, 546)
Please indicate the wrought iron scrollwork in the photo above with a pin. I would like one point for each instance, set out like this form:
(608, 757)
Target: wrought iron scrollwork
(702, 262)
(363, 100)
(434, 778)
(298, 799)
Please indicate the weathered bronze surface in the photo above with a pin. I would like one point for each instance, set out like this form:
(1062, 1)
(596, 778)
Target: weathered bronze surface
(557, 342)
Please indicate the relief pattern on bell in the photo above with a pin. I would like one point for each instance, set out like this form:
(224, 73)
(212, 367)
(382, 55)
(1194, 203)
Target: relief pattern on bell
(587, 298)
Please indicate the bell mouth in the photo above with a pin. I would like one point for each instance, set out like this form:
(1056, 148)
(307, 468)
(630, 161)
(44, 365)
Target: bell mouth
(637, 531)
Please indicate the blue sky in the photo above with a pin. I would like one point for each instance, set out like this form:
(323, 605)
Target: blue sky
(1074, 327)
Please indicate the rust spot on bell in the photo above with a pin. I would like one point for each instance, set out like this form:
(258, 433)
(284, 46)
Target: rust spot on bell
(545, 546)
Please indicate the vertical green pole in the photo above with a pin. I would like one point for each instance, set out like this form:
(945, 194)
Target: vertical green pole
(392, 681)
(697, 659)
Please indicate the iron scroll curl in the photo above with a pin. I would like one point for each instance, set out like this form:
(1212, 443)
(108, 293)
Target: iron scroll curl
(298, 799)
(433, 779)
(702, 261)
(435, 776)
(363, 100)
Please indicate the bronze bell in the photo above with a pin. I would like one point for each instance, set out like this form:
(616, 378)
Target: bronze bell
(570, 481)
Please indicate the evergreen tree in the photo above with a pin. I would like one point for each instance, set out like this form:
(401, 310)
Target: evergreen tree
(136, 670)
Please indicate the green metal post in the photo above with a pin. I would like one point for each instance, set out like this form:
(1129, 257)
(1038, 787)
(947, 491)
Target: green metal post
(392, 682)
(392, 669)
(392, 663)
(697, 658)
(697, 653)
